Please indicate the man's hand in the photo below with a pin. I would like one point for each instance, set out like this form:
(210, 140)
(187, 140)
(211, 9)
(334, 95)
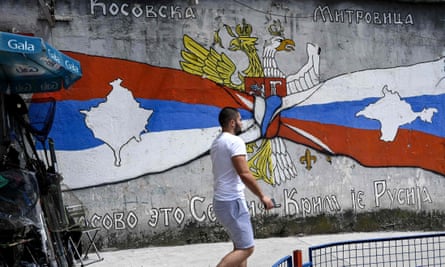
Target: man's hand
(268, 203)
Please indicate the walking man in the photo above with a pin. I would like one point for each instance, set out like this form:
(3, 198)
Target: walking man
(231, 175)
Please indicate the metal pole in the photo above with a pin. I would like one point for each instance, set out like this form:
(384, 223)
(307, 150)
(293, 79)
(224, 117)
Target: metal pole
(298, 258)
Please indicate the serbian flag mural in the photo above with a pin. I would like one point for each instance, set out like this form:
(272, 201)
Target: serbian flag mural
(126, 119)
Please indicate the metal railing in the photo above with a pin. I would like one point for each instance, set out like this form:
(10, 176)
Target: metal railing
(294, 260)
(404, 251)
(415, 250)
(284, 262)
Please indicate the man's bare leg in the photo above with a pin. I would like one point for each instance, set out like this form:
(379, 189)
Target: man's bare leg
(236, 258)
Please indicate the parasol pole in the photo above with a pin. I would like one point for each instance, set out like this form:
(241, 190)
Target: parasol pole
(3, 116)
(53, 155)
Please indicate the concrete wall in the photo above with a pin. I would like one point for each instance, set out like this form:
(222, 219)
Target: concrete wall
(349, 117)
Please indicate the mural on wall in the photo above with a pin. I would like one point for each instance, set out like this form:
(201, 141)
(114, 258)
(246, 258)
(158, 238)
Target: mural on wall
(269, 159)
(126, 119)
(200, 209)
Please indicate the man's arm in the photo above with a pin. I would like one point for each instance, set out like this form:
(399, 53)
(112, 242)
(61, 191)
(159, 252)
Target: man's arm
(241, 167)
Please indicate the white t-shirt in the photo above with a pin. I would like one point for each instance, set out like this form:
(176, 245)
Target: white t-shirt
(227, 183)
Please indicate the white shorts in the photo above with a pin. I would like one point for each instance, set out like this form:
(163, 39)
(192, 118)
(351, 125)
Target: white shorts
(235, 218)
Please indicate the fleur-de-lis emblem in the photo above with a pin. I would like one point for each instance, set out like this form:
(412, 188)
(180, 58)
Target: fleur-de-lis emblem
(307, 159)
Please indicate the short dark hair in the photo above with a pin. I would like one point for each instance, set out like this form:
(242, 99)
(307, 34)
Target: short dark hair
(226, 115)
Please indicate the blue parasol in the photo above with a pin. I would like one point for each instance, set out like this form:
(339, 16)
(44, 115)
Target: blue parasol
(29, 65)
